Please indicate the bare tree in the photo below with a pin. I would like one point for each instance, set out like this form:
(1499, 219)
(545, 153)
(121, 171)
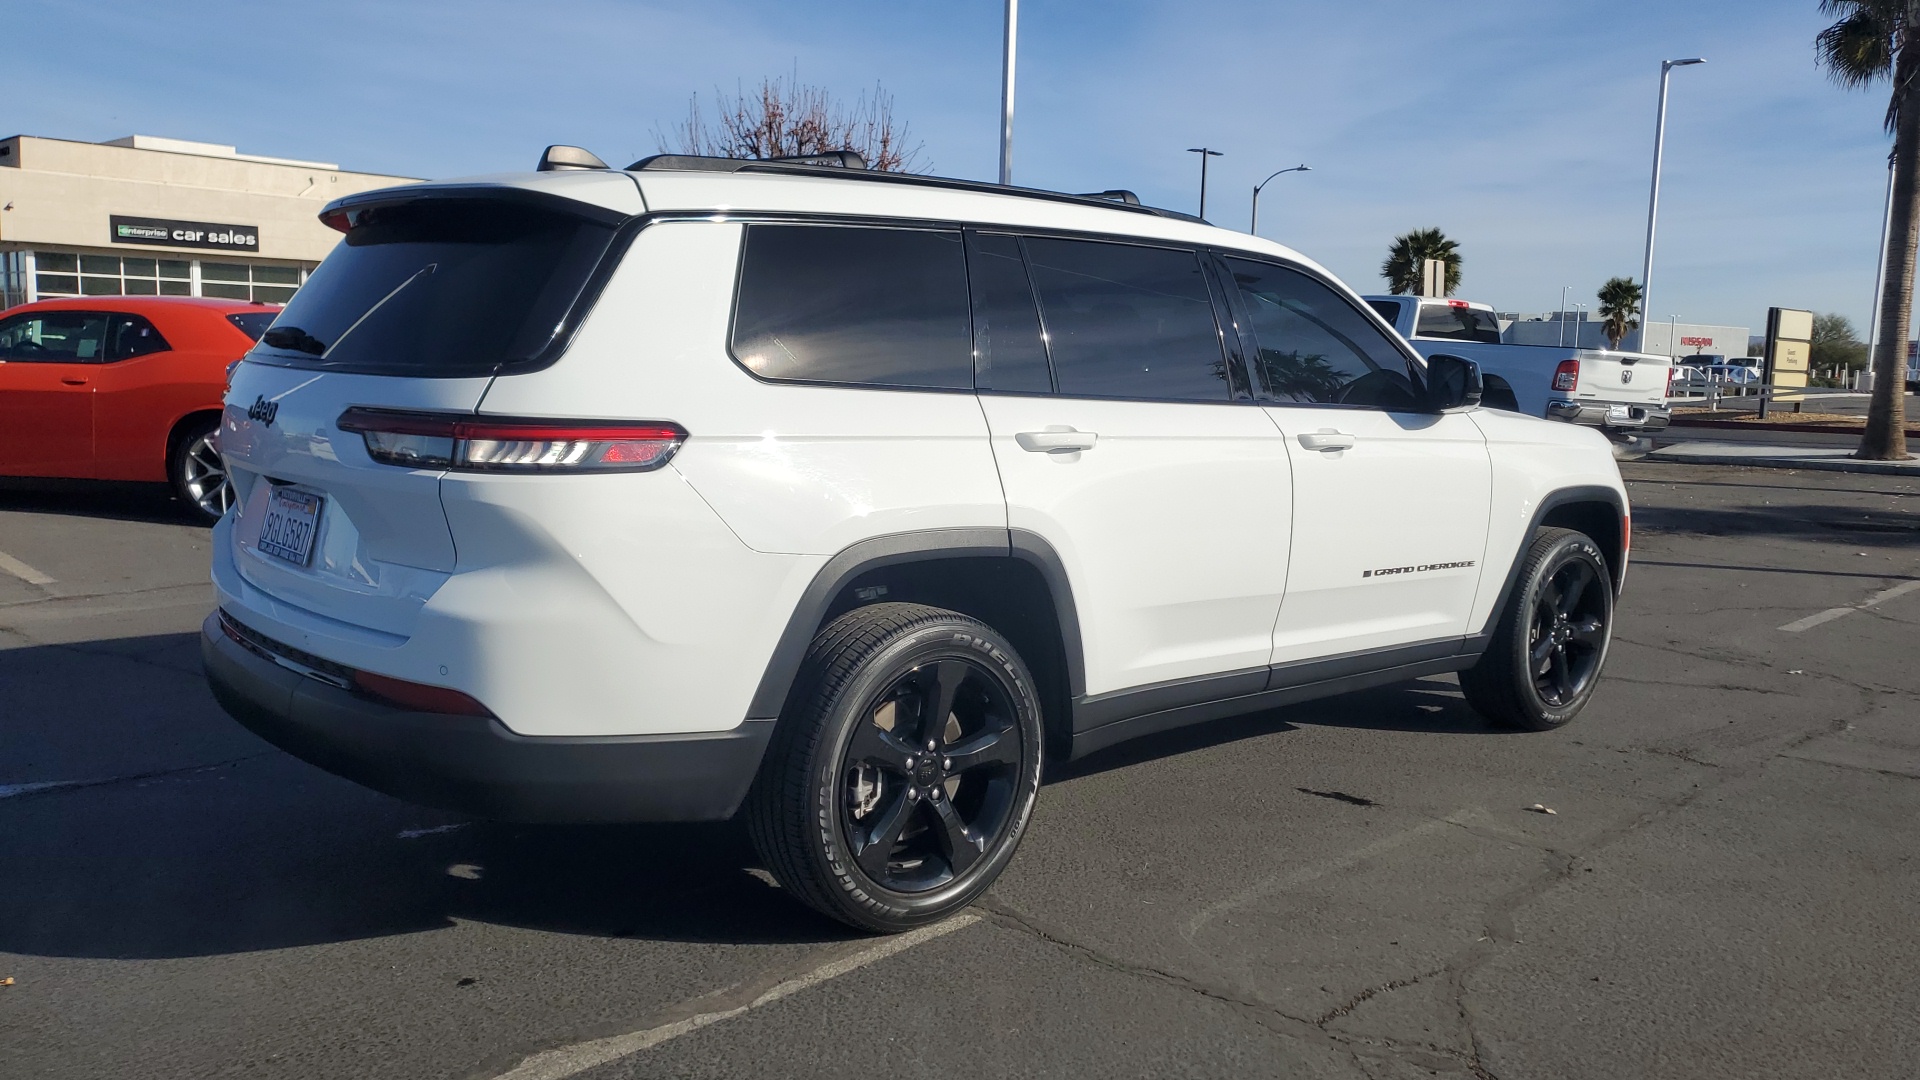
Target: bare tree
(788, 118)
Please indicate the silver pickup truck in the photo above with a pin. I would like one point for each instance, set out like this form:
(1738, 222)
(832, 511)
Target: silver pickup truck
(1623, 394)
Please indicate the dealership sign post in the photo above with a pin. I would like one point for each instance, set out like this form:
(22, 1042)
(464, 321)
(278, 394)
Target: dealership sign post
(1789, 348)
(160, 232)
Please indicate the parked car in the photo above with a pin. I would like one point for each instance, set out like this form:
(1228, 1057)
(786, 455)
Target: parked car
(1623, 394)
(843, 500)
(122, 388)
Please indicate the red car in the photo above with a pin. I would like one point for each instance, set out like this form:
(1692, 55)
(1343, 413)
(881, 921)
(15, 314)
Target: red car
(123, 388)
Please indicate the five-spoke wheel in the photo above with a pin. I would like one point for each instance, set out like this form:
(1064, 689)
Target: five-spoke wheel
(902, 774)
(1545, 656)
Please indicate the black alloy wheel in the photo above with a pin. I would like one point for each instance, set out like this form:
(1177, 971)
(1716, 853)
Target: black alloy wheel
(1569, 631)
(901, 776)
(1550, 643)
(930, 774)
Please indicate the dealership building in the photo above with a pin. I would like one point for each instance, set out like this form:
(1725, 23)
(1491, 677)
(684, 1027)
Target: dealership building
(1585, 329)
(146, 216)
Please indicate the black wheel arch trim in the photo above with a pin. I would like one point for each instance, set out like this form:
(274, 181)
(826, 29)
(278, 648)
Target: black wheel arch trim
(1592, 493)
(783, 667)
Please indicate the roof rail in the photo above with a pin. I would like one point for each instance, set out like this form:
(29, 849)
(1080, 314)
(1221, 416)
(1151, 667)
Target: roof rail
(1115, 199)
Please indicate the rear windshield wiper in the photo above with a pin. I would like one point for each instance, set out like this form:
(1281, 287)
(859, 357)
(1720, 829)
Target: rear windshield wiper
(296, 339)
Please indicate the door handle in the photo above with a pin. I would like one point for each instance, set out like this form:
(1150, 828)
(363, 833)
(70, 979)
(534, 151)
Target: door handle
(1326, 440)
(71, 381)
(1056, 442)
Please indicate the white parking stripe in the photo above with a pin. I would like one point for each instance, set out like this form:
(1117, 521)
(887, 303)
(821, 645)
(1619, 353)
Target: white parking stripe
(578, 1058)
(1831, 614)
(22, 571)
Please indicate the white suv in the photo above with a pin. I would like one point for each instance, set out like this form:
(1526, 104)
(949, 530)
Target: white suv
(844, 499)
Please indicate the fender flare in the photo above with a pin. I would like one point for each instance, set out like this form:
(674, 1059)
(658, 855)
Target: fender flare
(770, 697)
(1586, 493)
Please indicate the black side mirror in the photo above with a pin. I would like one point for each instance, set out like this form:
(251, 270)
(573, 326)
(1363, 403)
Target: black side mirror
(1453, 382)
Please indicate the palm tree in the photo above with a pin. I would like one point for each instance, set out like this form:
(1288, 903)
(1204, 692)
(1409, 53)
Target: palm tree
(1402, 268)
(1619, 303)
(1877, 39)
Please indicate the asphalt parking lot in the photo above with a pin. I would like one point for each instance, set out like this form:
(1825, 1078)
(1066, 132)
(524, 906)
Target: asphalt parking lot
(1728, 886)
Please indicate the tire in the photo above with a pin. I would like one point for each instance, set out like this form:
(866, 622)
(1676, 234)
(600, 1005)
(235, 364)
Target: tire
(1546, 654)
(197, 472)
(1500, 396)
(858, 822)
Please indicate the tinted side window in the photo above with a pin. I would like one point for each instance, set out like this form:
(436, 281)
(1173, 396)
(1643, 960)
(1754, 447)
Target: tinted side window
(1316, 347)
(134, 336)
(1457, 322)
(55, 337)
(879, 307)
(1009, 352)
(1128, 321)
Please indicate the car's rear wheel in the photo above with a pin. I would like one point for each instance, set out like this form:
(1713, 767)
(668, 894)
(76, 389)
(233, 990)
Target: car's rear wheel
(900, 780)
(199, 475)
(1547, 651)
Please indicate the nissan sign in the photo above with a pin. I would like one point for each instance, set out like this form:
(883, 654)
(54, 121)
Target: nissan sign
(159, 232)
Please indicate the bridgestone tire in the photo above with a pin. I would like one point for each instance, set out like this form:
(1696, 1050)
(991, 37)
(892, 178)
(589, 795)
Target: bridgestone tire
(795, 811)
(1502, 685)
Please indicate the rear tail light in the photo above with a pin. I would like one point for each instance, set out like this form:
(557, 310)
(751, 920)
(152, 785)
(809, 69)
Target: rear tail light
(1670, 372)
(441, 441)
(1566, 377)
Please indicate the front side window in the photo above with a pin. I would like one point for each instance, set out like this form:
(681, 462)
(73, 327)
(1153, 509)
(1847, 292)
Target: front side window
(1455, 321)
(55, 337)
(1128, 321)
(1315, 347)
(854, 305)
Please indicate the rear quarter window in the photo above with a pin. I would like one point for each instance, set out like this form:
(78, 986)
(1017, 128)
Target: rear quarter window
(855, 306)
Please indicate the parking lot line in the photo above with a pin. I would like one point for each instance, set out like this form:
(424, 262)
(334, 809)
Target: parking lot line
(578, 1058)
(1831, 614)
(22, 571)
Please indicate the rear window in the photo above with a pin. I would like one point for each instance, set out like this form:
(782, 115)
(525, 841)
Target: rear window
(440, 287)
(253, 323)
(1457, 324)
(852, 305)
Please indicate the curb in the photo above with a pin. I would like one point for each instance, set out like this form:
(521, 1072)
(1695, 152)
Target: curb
(1750, 426)
(1844, 465)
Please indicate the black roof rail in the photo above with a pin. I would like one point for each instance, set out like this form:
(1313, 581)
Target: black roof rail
(1115, 199)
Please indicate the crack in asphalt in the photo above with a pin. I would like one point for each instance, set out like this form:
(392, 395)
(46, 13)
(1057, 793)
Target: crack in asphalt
(50, 787)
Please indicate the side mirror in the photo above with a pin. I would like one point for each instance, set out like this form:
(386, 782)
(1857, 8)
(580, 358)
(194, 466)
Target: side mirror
(1453, 382)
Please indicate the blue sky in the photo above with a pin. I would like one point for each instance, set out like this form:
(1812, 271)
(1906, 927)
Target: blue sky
(1521, 127)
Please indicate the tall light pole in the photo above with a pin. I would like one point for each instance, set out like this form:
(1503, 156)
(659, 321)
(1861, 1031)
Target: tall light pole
(1579, 324)
(1006, 94)
(1204, 155)
(1673, 336)
(1653, 199)
(1564, 290)
(1253, 222)
(1880, 271)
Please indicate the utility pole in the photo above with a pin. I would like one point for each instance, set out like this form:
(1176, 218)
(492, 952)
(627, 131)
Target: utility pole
(1006, 94)
(1204, 155)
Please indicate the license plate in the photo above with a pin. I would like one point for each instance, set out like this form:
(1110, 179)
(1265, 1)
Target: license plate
(292, 518)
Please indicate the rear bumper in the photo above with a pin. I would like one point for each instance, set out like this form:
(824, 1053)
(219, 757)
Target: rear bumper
(1606, 414)
(474, 764)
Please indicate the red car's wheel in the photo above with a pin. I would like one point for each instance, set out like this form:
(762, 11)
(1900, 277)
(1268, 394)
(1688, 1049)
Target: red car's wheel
(199, 475)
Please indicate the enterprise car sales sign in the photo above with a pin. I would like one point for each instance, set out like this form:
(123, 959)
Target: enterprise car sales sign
(191, 234)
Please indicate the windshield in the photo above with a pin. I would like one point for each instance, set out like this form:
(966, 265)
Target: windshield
(1457, 323)
(441, 287)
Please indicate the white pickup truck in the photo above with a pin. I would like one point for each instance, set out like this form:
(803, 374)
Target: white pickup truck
(1623, 394)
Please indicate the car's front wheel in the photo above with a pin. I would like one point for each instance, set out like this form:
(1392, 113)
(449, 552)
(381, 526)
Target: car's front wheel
(1547, 650)
(198, 474)
(901, 778)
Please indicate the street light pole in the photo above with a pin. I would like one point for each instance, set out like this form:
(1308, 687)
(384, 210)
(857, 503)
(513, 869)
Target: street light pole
(1006, 94)
(1563, 312)
(1673, 336)
(1880, 270)
(1204, 155)
(1653, 198)
(1253, 222)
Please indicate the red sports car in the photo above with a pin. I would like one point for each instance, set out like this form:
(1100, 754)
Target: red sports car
(122, 388)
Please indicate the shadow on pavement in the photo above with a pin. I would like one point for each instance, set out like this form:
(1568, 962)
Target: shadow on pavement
(1801, 522)
(109, 501)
